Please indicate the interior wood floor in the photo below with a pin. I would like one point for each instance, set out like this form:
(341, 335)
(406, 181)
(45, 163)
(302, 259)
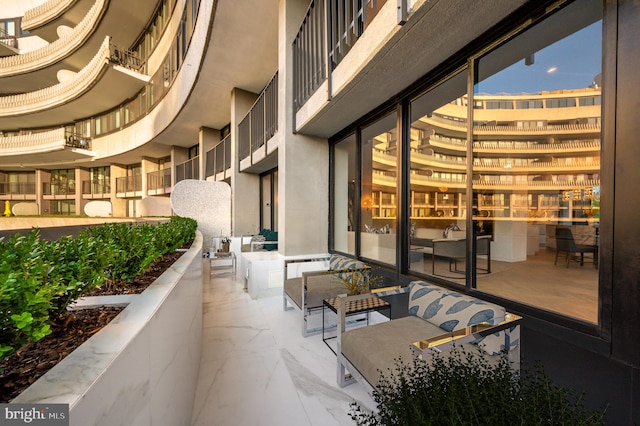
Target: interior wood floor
(571, 291)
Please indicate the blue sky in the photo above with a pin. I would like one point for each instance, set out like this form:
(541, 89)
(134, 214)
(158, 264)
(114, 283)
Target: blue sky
(577, 60)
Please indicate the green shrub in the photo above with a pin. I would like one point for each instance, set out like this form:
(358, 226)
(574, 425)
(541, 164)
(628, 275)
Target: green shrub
(466, 389)
(39, 279)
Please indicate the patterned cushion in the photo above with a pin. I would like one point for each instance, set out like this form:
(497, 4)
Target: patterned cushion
(257, 238)
(344, 264)
(450, 310)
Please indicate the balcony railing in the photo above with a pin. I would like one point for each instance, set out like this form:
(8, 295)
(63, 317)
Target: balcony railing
(59, 188)
(93, 187)
(159, 180)
(188, 170)
(219, 158)
(9, 40)
(327, 33)
(76, 140)
(129, 184)
(17, 188)
(261, 123)
(125, 58)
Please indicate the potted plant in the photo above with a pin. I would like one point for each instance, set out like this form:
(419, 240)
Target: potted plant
(359, 281)
(224, 244)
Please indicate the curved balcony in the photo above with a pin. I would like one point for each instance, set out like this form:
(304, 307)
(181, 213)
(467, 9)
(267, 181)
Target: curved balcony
(38, 68)
(43, 148)
(106, 81)
(44, 20)
(460, 182)
(522, 147)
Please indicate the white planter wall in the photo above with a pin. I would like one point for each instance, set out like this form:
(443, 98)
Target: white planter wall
(142, 368)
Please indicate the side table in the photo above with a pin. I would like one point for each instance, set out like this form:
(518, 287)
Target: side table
(353, 307)
(220, 259)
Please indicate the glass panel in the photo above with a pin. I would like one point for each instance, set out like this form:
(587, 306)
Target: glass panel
(378, 205)
(438, 180)
(344, 187)
(537, 168)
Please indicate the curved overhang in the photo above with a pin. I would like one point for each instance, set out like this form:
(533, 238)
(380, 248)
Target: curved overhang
(232, 57)
(200, 96)
(44, 149)
(124, 22)
(95, 89)
(7, 50)
(44, 20)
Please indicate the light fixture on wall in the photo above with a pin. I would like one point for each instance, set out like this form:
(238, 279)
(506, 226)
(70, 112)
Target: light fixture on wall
(443, 189)
(367, 203)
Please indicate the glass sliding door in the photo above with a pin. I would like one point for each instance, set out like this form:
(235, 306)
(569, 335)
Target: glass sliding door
(536, 162)
(344, 187)
(379, 190)
(438, 161)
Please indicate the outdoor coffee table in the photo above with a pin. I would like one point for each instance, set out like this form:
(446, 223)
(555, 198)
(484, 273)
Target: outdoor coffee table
(353, 307)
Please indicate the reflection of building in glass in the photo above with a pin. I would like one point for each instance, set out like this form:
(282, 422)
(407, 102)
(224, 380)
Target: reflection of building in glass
(535, 157)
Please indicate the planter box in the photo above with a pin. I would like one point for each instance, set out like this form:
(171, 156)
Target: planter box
(142, 368)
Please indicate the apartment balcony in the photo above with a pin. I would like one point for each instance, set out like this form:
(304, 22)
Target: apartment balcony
(59, 190)
(124, 18)
(159, 182)
(188, 170)
(8, 45)
(218, 160)
(39, 68)
(42, 148)
(44, 20)
(129, 186)
(95, 190)
(112, 76)
(576, 146)
(18, 190)
(256, 130)
(328, 32)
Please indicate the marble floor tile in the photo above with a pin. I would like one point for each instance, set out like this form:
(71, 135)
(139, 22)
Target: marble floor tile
(257, 369)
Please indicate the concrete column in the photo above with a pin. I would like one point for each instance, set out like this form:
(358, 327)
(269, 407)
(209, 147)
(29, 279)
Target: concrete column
(245, 187)
(118, 205)
(39, 179)
(303, 161)
(207, 139)
(82, 175)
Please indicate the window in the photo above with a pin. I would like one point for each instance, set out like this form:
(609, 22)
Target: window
(528, 197)
(344, 187)
(437, 177)
(378, 189)
(561, 103)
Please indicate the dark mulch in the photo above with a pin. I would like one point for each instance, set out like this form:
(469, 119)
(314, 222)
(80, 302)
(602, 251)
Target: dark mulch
(24, 367)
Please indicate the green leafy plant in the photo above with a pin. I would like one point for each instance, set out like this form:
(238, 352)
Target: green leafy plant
(465, 388)
(40, 279)
(360, 280)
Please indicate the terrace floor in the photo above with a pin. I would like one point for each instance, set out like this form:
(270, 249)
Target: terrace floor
(257, 369)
